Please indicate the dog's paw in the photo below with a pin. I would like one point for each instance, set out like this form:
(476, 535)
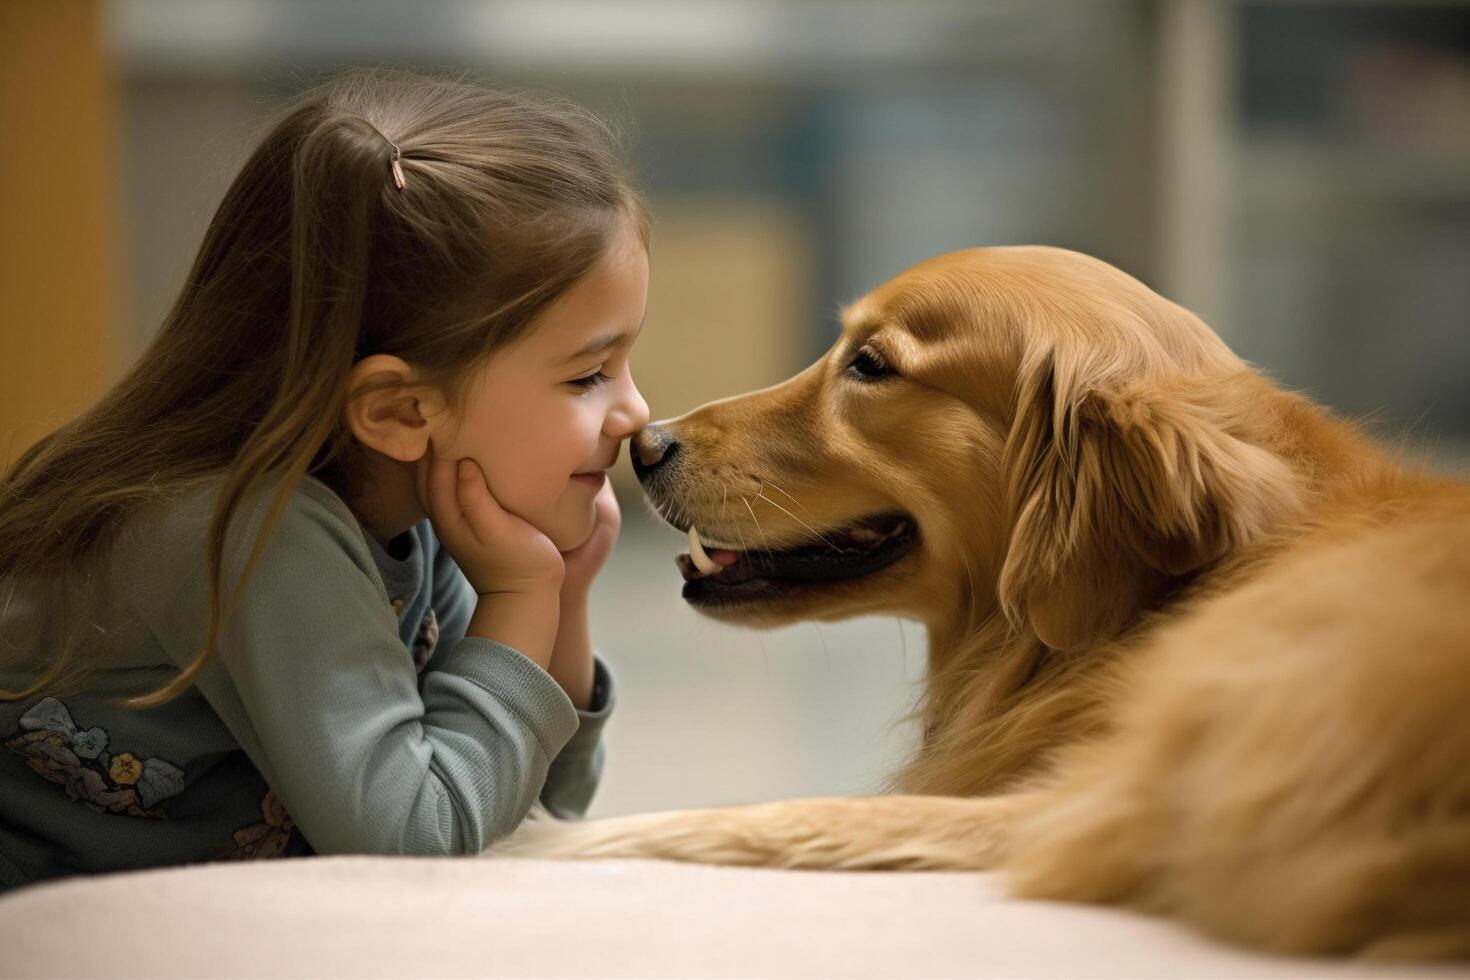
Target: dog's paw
(544, 836)
(912, 833)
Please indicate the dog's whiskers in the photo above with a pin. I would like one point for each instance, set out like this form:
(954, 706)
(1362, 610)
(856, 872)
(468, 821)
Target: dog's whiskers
(760, 495)
(741, 536)
(759, 530)
(788, 496)
(654, 508)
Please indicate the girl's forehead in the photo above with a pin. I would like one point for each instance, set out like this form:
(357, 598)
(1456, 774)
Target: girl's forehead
(603, 309)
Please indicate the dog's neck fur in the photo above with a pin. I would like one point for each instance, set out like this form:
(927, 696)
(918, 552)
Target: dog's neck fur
(997, 699)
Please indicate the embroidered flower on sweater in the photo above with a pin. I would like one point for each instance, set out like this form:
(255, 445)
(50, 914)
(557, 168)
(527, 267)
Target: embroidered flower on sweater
(268, 839)
(425, 640)
(61, 752)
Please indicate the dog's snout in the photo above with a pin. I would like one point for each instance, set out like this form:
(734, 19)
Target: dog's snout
(652, 449)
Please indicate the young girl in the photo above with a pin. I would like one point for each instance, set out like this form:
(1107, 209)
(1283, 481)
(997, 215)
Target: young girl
(314, 575)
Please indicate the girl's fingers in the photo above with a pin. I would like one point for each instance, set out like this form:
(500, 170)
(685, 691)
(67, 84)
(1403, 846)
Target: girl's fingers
(496, 550)
(421, 479)
(481, 511)
(443, 495)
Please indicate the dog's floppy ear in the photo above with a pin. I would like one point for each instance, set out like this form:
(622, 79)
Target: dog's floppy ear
(1116, 488)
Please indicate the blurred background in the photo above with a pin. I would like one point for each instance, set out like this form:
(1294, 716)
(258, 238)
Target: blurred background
(1296, 172)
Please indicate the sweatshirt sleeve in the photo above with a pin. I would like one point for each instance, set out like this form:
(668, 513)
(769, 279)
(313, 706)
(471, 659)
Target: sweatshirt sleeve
(311, 678)
(454, 599)
(574, 774)
(577, 769)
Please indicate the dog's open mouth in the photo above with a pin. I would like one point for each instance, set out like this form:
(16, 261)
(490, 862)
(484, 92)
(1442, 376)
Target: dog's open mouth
(720, 575)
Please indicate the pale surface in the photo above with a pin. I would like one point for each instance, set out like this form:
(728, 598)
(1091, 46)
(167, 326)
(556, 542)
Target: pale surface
(376, 917)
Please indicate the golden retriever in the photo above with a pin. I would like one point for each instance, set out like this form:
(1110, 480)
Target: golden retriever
(1196, 645)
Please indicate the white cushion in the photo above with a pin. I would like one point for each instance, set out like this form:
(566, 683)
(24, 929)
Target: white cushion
(415, 917)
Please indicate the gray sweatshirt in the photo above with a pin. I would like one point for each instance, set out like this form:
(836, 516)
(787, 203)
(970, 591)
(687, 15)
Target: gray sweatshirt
(345, 710)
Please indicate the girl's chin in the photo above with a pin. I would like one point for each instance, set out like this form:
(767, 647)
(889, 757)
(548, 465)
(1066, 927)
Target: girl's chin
(572, 533)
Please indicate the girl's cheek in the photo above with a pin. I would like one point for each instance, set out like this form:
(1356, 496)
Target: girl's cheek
(447, 440)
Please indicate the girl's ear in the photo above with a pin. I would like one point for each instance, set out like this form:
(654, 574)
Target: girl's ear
(1115, 489)
(390, 410)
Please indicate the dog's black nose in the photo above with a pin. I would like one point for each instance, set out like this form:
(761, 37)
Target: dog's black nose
(652, 448)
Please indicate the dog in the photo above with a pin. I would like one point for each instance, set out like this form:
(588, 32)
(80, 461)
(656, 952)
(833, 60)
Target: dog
(1196, 645)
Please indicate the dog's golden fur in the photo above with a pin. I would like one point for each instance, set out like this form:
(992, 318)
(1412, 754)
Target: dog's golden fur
(1196, 645)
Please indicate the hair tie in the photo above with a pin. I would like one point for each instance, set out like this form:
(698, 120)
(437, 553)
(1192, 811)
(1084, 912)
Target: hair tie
(396, 165)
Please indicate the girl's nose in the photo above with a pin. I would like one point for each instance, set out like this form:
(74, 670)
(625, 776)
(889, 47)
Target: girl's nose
(629, 415)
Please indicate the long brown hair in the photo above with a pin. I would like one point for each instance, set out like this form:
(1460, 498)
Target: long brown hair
(315, 259)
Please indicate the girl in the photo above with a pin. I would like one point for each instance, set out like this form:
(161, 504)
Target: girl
(314, 575)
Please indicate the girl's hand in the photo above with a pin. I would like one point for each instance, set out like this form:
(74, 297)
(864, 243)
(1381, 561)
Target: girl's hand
(571, 655)
(499, 553)
(586, 560)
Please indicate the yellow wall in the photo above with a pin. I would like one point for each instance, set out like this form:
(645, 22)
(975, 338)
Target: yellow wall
(57, 217)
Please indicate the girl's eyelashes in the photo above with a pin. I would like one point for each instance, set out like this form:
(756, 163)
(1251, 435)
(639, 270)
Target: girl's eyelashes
(590, 381)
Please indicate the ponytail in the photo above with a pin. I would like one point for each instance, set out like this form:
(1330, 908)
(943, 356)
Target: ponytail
(340, 172)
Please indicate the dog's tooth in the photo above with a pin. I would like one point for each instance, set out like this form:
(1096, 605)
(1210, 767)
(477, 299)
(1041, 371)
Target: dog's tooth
(697, 554)
(862, 535)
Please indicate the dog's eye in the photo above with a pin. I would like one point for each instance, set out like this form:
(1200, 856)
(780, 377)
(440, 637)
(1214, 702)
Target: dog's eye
(869, 365)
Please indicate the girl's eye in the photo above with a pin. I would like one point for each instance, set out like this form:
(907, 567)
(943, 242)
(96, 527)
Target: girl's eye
(590, 381)
(869, 365)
